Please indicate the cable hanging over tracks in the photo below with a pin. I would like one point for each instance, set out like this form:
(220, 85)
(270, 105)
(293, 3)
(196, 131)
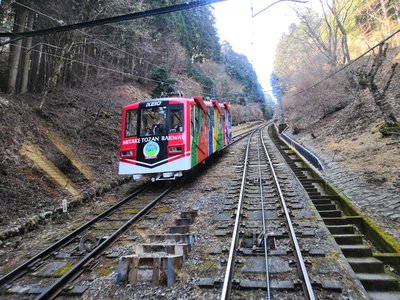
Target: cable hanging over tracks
(127, 17)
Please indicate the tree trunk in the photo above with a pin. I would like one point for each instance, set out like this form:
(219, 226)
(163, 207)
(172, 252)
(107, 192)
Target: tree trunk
(87, 52)
(38, 75)
(380, 96)
(15, 51)
(27, 57)
(345, 46)
(53, 79)
(383, 105)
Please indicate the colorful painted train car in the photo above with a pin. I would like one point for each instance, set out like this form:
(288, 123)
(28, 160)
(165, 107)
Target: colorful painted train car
(165, 137)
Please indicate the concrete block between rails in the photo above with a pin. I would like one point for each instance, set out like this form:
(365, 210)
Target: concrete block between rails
(157, 269)
(179, 249)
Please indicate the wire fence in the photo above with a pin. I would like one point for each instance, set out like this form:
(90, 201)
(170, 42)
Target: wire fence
(307, 154)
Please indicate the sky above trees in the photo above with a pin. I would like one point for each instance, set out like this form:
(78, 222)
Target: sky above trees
(255, 37)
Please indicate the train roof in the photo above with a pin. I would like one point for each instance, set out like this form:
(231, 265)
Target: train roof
(196, 99)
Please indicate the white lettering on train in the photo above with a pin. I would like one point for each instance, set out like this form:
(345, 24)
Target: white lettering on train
(142, 140)
(152, 139)
(151, 104)
(172, 138)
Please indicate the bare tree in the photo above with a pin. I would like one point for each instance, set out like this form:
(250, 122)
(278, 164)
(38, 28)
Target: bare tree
(367, 79)
(341, 15)
(312, 26)
(333, 24)
(27, 57)
(55, 75)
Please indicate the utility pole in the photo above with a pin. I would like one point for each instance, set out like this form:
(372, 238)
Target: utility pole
(246, 99)
(281, 109)
(212, 96)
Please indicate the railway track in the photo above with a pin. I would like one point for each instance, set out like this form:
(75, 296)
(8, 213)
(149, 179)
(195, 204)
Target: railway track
(76, 251)
(269, 238)
(258, 175)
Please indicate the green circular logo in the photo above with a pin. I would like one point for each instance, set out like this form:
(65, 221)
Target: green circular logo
(151, 150)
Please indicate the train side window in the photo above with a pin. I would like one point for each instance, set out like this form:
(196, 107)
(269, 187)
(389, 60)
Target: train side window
(220, 121)
(176, 118)
(196, 120)
(192, 119)
(131, 123)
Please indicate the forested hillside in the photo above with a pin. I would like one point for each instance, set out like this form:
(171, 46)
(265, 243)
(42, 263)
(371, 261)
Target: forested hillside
(170, 52)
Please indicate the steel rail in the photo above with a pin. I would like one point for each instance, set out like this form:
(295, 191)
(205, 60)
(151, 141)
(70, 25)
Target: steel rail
(55, 289)
(243, 135)
(307, 288)
(265, 236)
(22, 269)
(226, 288)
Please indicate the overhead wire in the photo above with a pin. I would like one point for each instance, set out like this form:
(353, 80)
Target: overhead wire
(187, 88)
(137, 15)
(108, 44)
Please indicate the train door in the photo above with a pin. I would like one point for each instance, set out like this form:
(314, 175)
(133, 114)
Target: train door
(229, 125)
(219, 136)
(224, 131)
(193, 135)
(198, 131)
(210, 122)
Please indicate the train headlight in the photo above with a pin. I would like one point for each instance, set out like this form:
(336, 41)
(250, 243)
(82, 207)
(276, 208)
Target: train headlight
(130, 153)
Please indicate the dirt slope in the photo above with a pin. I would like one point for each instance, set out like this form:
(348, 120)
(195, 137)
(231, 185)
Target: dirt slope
(85, 123)
(341, 125)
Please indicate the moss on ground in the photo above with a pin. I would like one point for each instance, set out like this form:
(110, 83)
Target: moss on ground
(106, 267)
(163, 210)
(60, 272)
(393, 130)
(99, 211)
(130, 211)
(368, 223)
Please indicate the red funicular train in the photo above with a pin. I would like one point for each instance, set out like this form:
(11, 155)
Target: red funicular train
(167, 136)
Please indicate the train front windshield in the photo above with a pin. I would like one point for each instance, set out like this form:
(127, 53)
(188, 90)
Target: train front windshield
(176, 118)
(153, 121)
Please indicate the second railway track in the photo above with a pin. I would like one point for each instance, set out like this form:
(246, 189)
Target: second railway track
(76, 251)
